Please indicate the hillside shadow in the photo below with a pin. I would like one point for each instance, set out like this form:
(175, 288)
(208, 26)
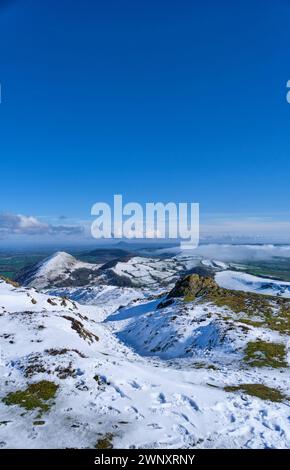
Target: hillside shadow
(135, 311)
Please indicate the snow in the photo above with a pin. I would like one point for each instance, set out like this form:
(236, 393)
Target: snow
(105, 299)
(246, 282)
(149, 271)
(58, 261)
(62, 269)
(214, 264)
(232, 252)
(57, 267)
(173, 332)
(145, 396)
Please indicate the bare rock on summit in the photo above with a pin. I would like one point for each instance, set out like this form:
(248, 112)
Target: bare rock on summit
(193, 286)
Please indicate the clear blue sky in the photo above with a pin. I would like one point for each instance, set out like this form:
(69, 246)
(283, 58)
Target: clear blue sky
(158, 100)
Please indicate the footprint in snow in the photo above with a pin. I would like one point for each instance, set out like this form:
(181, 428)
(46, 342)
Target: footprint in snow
(183, 399)
(119, 391)
(186, 418)
(181, 430)
(135, 411)
(135, 385)
(154, 426)
(110, 410)
(160, 399)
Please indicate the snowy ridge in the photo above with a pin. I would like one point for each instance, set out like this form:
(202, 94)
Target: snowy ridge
(63, 270)
(144, 272)
(55, 269)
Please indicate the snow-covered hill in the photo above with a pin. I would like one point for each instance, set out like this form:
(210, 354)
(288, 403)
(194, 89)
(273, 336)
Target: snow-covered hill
(183, 371)
(63, 270)
(143, 272)
(59, 269)
(248, 283)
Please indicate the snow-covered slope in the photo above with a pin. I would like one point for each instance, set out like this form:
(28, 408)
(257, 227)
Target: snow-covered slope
(149, 375)
(214, 264)
(59, 269)
(143, 272)
(249, 283)
(213, 324)
(107, 298)
(174, 332)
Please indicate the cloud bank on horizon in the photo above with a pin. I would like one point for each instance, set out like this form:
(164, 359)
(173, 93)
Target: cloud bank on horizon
(238, 252)
(19, 228)
(23, 225)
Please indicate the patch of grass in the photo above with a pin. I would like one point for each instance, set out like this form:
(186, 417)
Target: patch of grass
(189, 298)
(193, 286)
(9, 281)
(256, 310)
(12, 265)
(281, 321)
(36, 396)
(204, 365)
(269, 312)
(277, 268)
(253, 323)
(277, 319)
(105, 442)
(262, 354)
(260, 391)
(239, 302)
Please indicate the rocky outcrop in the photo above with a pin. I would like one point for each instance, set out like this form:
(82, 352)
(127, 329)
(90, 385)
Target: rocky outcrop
(254, 309)
(193, 286)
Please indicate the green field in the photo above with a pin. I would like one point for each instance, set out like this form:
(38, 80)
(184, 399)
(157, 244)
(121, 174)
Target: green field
(275, 268)
(11, 265)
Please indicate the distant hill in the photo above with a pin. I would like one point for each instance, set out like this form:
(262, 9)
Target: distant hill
(63, 270)
(103, 255)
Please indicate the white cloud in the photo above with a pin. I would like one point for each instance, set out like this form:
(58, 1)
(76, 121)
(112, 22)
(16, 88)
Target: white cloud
(17, 224)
